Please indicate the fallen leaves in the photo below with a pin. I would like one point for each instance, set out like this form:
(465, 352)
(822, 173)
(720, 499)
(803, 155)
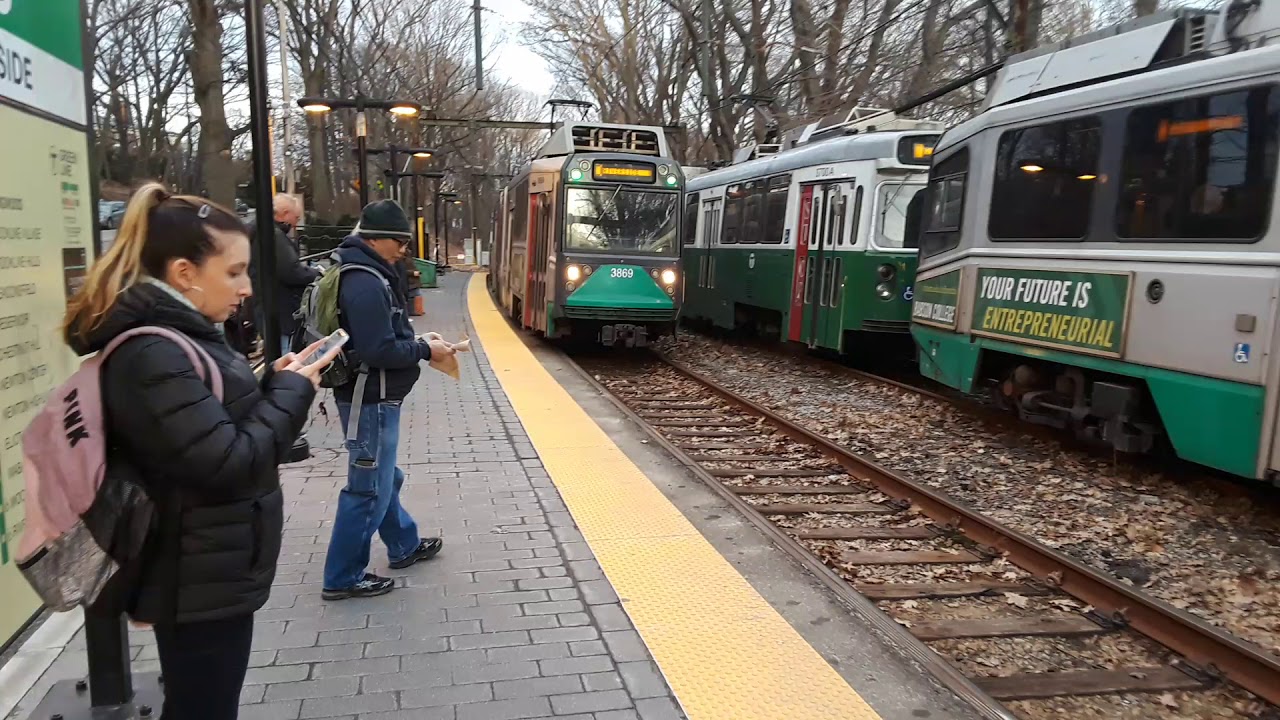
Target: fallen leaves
(1194, 542)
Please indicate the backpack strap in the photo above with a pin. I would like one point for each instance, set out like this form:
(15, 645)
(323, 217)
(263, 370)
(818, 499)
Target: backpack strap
(362, 373)
(205, 367)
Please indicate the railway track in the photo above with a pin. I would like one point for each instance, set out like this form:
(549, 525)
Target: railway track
(1012, 626)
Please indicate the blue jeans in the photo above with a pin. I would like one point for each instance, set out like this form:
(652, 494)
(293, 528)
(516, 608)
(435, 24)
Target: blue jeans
(371, 500)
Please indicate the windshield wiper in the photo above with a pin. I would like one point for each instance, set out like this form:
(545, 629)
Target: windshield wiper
(600, 218)
(889, 203)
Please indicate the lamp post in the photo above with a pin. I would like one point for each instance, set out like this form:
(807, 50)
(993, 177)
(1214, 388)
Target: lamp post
(420, 153)
(400, 108)
(450, 198)
(413, 200)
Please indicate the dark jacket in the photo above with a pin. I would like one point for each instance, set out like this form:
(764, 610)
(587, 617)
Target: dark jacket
(412, 278)
(210, 467)
(381, 335)
(292, 278)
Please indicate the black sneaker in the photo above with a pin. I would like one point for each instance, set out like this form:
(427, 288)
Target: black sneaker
(371, 586)
(426, 550)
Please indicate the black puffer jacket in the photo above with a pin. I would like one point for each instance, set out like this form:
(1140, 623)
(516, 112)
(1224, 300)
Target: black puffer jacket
(210, 467)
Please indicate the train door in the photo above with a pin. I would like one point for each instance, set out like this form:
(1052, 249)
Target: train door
(706, 266)
(536, 303)
(795, 319)
(816, 281)
(830, 305)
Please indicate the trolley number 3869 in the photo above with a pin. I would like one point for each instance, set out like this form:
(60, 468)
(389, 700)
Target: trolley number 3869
(622, 272)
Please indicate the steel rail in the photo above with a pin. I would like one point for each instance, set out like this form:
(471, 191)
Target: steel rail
(947, 674)
(1213, 651)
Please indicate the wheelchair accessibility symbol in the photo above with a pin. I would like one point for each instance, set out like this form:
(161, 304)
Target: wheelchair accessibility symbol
(908, 294)
(1241, 354)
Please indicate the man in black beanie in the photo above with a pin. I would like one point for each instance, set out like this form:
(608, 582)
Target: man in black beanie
(371, 305)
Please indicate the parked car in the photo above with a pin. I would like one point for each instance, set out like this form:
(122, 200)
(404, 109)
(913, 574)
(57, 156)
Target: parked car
(110, 213)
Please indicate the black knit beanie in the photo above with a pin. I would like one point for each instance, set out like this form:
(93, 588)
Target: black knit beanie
(383, 219)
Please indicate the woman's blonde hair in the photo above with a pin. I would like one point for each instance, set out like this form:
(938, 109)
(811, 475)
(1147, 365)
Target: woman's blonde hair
(157, 228)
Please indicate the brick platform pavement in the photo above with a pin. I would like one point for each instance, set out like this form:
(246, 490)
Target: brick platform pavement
(514, 619)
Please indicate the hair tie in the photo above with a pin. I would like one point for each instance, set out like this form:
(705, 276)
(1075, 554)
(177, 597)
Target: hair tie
(204, 211)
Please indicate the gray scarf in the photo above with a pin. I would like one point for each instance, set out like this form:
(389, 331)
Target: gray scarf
(173, 293)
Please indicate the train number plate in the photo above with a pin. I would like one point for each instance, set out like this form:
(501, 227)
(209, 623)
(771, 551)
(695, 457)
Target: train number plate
(622, 272)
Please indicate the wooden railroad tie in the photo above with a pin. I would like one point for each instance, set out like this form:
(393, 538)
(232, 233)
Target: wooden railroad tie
(1025, 686)
(1005, 627)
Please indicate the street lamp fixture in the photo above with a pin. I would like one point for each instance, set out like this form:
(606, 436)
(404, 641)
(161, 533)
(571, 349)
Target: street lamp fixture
(404, 108)
(399, 108)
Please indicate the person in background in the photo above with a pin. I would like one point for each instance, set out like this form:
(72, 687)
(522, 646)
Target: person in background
(292, 275)
(208, 465)
(372, 310)
(412, 283)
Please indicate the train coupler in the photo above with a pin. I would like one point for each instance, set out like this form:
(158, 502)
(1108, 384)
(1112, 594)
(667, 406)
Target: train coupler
(629, 335)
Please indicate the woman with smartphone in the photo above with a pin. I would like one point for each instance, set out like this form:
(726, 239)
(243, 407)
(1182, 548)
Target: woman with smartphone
(208, 464)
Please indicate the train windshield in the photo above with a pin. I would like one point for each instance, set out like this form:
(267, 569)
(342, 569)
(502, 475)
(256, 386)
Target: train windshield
(895, 197)
(618, 220)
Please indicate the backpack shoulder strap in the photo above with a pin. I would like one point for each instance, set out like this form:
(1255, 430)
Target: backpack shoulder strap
(204, 364)
(355, 266)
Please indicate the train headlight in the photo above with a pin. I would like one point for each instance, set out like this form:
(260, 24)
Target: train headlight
(575, 175)
(883, 291)
(671, 290)
(886, 272)
(663, 170)
(668, 277)
(672, 180)
(573, 272)
(586, 270)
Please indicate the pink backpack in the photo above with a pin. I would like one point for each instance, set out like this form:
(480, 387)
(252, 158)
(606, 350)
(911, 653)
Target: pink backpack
(79, 531)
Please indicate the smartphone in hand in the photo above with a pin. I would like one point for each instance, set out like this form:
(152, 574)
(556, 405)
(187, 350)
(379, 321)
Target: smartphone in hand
(337, 338)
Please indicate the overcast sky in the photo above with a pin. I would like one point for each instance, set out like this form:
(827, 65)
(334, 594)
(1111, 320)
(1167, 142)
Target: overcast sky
(514, 61)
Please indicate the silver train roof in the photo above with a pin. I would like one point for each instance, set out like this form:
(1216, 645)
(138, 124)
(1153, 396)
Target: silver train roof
(863, 146)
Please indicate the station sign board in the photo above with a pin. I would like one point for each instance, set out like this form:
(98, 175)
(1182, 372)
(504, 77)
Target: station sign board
(46, 241)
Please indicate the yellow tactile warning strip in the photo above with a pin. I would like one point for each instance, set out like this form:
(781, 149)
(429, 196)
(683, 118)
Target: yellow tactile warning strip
(725, 651)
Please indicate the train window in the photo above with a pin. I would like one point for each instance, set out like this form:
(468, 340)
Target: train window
(895, 200)
(831, 281)
(776, 209)
(911, 221)
(520, 214)
(1200, 168)
(690, 229)
(1044, 181)
(837, 218)
(808, 279)
(734, 208)
(754, 216)
(945, 203)
(857, 215)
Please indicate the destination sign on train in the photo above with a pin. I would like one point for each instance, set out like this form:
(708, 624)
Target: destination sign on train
(916, 149)
(620, 171)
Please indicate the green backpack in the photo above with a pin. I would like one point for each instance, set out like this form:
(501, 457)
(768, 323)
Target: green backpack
(319, 316)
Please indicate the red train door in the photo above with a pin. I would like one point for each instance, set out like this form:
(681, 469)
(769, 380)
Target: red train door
(531, 263)
(795, 324)
(536, 306)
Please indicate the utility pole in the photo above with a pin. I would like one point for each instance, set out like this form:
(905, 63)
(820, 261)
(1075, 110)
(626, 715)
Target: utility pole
(479, 51)
(288, 103)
